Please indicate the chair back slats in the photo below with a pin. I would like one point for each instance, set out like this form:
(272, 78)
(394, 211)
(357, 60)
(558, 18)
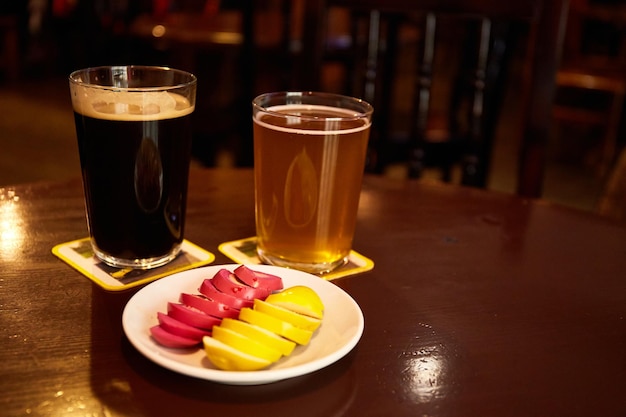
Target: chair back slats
(421, 100)
(497, 24)
(475, 164)
(518, 10)
(480, 76)
(373, 53)
(546, 45)
(425, 76)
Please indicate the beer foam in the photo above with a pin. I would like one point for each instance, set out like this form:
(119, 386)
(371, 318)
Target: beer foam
(129, 105)
(291, 111)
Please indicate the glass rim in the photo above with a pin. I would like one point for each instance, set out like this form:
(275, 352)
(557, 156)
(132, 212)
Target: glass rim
(74, 80)
(367, 113)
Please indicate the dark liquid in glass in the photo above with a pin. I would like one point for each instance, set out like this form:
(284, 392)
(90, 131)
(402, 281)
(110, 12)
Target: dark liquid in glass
(135, 179)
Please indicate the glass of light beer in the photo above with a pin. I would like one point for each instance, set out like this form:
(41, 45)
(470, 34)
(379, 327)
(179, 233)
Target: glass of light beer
(133, 125)
(309, 157)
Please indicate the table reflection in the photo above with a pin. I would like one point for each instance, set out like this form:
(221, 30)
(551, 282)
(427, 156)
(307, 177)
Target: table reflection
(11, 224)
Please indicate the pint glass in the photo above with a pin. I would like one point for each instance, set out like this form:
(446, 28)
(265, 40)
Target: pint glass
(309, 157)
(133, 125)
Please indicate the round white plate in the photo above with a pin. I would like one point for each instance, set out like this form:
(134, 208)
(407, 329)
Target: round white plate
(340, 331)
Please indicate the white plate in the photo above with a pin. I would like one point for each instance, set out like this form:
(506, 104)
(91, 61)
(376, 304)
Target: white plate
(340, 331)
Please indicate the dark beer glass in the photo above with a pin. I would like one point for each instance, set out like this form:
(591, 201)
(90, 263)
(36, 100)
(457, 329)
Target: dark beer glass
(133, 125)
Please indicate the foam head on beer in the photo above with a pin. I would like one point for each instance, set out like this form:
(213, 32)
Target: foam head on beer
(129, 105)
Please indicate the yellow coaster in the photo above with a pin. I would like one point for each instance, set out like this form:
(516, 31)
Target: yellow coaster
(79, 255)
(243, 251)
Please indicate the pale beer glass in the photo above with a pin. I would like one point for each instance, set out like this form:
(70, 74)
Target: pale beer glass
(309, 157)
(133, 125)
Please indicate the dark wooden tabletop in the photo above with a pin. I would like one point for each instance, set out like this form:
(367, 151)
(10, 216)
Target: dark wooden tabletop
(479, 304)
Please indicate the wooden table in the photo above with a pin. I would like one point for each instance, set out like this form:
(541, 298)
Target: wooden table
(480, 304)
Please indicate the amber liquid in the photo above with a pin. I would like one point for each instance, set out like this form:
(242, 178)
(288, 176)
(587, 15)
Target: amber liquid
(308, 182)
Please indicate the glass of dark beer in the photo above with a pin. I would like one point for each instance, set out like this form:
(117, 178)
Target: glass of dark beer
(133, 125)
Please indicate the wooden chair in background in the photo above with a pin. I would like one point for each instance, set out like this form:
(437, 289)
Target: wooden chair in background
(538, 24)
(591, 83)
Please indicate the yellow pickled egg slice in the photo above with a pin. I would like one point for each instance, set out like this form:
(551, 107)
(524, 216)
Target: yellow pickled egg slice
(300, 299)
(260, 334)
(228, 358)
(245, 344)
(299, 320)
(278, 326)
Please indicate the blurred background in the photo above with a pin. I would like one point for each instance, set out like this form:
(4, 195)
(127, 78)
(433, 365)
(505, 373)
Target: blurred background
(42, 41)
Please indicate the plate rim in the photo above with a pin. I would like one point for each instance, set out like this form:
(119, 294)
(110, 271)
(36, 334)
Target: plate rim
(236, 377)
